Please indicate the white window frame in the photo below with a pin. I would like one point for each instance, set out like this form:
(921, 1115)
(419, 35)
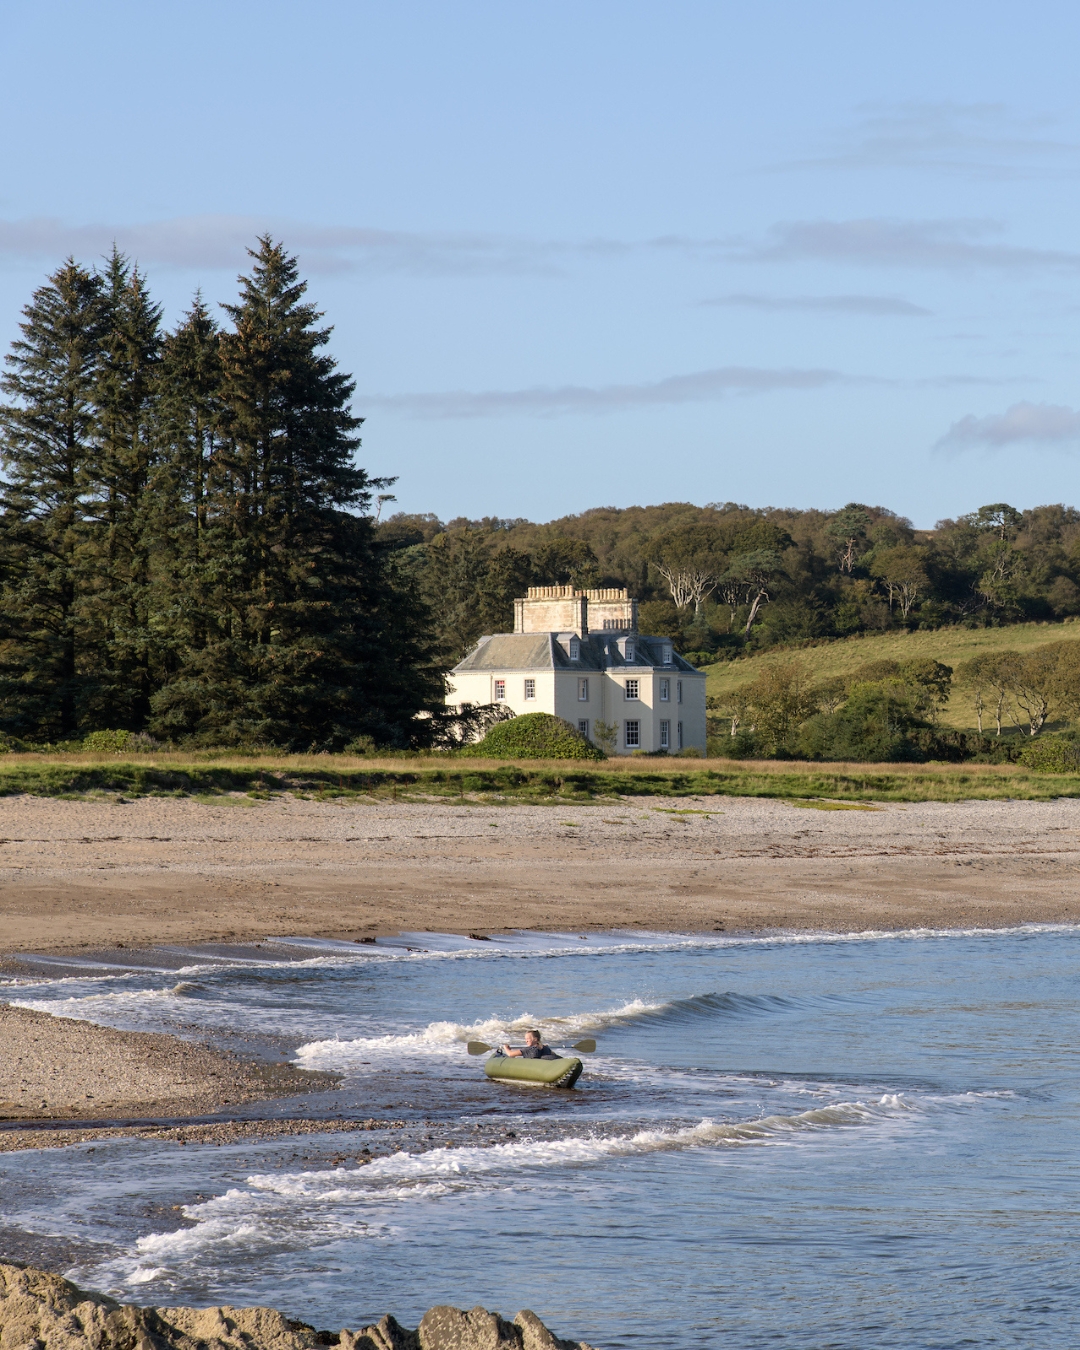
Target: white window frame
(583, 727)
(575, 649)
(628, 654)
(632, 735)
(665, 691)
(583, 689)
(665, 735)
(631, 690)
(678, 691)
(666, 655)
(500, 691)
(530, 689)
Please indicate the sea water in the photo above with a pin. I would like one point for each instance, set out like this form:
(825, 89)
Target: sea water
(844, 1141)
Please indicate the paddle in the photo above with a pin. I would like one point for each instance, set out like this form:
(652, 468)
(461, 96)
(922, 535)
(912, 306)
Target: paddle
(586, 1047)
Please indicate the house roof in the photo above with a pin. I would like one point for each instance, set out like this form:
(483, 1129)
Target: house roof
(550, 651)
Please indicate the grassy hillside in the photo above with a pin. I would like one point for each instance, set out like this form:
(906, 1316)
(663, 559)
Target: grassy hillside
(246, 781)
(949, 645)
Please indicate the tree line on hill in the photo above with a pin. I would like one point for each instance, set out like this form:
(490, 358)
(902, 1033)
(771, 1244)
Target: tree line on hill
(724, 579)
(890, 710)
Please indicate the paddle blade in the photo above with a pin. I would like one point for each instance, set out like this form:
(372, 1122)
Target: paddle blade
(586, 1047)
(477, 1048)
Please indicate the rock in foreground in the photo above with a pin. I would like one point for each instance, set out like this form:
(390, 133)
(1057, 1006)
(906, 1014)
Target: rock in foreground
(40, 1311)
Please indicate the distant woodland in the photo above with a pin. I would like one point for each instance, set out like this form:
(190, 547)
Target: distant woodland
(190, 553)
(724, 579)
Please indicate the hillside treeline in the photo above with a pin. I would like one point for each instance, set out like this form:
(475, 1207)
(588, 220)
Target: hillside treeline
(187, 548)
(890, 710)
(725, 578)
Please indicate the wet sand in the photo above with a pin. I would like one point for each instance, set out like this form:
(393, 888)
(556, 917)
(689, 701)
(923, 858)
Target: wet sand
(57, 1068)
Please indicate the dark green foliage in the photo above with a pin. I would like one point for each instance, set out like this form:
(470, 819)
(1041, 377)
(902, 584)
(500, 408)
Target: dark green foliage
(535, 736)
(762, 578)
(51, 645)
(875, 725)
(186, 542)
(1052, 754)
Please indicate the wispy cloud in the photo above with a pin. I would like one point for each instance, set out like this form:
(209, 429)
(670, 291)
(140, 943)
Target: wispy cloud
(951, 244)
(822, 304)
(1051, 425)
(219, 241)
(545, 401)
(978, 140)
(214, 242)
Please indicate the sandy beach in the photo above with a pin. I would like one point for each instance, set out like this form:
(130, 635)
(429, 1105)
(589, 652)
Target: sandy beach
(80, 876)
(89, 874)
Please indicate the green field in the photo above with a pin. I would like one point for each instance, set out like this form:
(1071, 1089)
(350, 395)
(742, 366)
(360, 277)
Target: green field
(248, 781)
(948, 645)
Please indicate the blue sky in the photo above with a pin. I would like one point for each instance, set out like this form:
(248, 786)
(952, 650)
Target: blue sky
(599, 253)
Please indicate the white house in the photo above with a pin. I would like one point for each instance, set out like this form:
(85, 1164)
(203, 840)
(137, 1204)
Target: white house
(578, 655)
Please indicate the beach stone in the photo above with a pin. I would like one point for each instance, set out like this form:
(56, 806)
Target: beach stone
(388, 1334)
(535, 1336)
(446, 1328)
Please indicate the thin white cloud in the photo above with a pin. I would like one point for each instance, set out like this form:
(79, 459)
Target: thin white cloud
(220, 241)
(950, 244)
(701, 386)
(1051, 425)
(823, 304)
(978, 140)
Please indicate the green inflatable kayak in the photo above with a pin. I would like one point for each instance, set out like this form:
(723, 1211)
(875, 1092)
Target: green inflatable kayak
(562, 1073)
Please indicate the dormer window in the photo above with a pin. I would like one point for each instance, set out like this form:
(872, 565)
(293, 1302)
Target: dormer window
(575, 649)
(628, 652)
(665, 654)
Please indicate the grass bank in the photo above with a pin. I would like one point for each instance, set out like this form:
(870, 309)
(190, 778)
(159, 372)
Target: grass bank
(327, 777)
(949, 645)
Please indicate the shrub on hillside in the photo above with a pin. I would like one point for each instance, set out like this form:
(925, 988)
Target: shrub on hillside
(1052, 755)
(105, 742)
(119, 742)
(535, 736)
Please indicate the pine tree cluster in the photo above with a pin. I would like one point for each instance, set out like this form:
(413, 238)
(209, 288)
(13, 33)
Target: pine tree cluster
(186, 543)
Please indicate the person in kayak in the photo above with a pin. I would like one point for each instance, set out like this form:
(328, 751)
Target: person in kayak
(533, 1049)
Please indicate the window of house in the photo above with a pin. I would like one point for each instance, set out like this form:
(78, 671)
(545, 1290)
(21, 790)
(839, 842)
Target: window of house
(678, 690)
(575, 649)
(679, 730)
(500, 690)
(665, 691)
(632, 732)
(583, 727)
(530, 688)
(583, 690)
(665, 735)
(629, 653)
(665, 654)
(631, 688)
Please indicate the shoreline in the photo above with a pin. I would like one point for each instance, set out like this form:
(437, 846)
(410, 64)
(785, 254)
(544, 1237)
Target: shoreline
(102, 882)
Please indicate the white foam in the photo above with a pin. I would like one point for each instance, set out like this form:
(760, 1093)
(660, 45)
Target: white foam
(448, 1038)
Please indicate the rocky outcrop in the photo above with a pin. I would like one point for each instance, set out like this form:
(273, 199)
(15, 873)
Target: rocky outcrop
(40, 1311)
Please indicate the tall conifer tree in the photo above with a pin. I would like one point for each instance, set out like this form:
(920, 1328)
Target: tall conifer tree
(126, 399)
(187, 436)
(307, 645)
(50, 658)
